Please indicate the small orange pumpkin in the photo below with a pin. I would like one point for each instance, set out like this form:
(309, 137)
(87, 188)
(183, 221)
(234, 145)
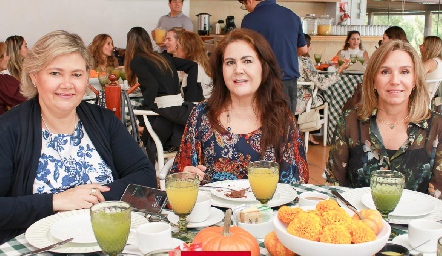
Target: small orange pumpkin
(227, 238)
(275, 247)
(372, 218)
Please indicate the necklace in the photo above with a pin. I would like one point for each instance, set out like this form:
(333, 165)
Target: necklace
(228, 121)
(63, 159)
(391, 124)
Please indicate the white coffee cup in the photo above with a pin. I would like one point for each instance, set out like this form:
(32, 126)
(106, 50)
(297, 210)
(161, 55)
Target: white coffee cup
(201, 210)
(153, 236)
(311, 198)
(422, 230)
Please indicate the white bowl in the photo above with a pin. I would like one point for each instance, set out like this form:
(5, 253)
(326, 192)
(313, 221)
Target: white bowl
(259, 230)
(306, 247)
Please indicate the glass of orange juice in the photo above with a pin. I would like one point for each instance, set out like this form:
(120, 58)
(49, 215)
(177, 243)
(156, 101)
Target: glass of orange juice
(263, 178)
(182, 191)
(160, 34)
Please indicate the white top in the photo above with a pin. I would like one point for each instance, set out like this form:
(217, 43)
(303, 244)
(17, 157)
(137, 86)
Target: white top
(356, 51)
(437, 73)
(206, 82)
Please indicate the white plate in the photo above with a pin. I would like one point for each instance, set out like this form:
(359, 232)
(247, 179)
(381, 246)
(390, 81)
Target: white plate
(421, 204)
(403, 240)
(284, 194)
(39, 236)
(353, 72)
(79, 227)
(216, 215)
(236, 185)
(354, 197)
(132, 249)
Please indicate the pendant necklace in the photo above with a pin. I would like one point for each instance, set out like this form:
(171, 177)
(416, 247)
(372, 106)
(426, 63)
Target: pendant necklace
(391, 124)
(62, 159)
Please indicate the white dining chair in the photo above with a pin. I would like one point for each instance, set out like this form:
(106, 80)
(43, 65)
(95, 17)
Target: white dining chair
(433, 85)
(323, 116)
(161, 154)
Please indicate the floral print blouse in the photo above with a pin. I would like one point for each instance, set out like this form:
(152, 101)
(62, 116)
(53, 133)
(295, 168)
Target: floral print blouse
(308, 73)
(227, 155)
(358, 150)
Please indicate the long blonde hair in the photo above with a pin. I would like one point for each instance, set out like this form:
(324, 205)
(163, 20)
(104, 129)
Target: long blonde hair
(433, 48)
(47, 48)
(15, 63)
(419, 100)
(193, 48)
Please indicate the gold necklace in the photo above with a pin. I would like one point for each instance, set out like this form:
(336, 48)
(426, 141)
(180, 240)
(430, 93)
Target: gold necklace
(391, 124)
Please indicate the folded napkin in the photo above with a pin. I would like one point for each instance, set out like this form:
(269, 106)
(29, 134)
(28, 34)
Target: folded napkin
(356, 67)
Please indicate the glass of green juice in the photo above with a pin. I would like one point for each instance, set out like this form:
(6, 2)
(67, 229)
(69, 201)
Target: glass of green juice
(111, 225)
(386, 190)
(263, 177)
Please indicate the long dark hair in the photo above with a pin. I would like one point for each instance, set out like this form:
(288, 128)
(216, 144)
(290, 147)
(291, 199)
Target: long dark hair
(271, 101)
(396, 32)
(349, 34)
(139, 44)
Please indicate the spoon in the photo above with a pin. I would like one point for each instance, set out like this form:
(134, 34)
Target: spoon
(347, 203)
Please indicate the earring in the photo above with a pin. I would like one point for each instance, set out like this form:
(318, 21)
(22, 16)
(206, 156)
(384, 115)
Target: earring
(176, 47)
(35, 85)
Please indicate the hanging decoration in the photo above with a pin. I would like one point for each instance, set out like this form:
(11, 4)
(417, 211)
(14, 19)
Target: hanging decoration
(343, 8)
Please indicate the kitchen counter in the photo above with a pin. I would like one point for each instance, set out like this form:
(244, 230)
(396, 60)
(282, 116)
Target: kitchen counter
(328, 46)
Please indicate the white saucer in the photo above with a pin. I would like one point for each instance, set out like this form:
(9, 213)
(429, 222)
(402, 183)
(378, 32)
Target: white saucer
(403, 240)
(216, 215)
(133, 248)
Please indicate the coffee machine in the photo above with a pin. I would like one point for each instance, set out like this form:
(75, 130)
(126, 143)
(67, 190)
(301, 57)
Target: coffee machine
(230, 24)
(203, 24)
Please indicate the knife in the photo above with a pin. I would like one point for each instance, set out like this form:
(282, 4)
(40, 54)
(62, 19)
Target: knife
(347, 203)
(47, 248)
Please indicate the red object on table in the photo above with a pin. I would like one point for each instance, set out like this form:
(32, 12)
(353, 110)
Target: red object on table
(113, 96)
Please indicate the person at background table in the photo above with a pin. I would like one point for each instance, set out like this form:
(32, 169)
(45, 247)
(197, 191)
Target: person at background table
(392, 128)
(158, 78)
(16, 49)
(394, 33)
(309, 73)
(246, 118)
(171, 40)
(353, 45)
(57, 152)
(283, 30)
(431, 52)
(175, 18)
(191, 47)
(10, 95)
(101, 48)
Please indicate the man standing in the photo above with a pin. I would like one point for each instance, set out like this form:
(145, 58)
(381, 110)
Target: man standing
(175, 18)
(283, 30)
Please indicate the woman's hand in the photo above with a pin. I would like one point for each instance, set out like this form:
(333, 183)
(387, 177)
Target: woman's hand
(199, 170)
(80, 197)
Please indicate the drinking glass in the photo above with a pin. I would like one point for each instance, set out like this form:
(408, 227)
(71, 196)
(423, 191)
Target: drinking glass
(103, 78)
(122, 74)
(263, 178)
(341, 60)
(318, 57)
(182, 191)
(386, 190)
(111, 225)
(361, 59)
(353, 58)
(116, 72)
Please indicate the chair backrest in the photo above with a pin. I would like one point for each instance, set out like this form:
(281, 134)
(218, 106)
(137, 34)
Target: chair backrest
(152, 133)
(433, 85)
(315, 91)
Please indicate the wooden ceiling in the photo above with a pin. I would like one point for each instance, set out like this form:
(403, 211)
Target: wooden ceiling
(401, 5)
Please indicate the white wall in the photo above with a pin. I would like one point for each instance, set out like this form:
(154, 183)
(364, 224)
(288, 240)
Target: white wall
(34, 18)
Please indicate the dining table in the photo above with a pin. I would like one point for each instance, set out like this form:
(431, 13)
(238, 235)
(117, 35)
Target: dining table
(337, 95)
(20, 245)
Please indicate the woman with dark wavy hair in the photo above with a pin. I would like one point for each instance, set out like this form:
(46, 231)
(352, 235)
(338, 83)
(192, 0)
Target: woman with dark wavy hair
(245, 119)
(101, 49)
